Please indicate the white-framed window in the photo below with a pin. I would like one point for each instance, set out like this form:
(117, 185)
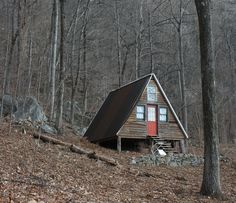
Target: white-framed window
(163, 114)
(151, 93)
(140, 112)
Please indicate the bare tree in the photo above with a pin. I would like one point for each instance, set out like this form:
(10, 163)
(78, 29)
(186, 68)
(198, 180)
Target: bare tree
(150, 40)
(30, 62)
(232, 131)
(177, 21)
(59, 112)
(74, 79)
(211, 173)
(18, 47)
(118, 41)
(84, 62)
(138, 38)
(54, 55)
(14, 35)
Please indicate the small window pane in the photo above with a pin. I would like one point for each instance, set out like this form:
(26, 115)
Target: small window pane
(151, 93)
(151, 90)
(163, 114)
(140, 109)
(140, 113)
(163, 111)
(140, 116)
(163, 118)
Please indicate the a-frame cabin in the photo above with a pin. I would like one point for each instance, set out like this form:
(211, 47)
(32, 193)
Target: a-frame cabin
(139, 110)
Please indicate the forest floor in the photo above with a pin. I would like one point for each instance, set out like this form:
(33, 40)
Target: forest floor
(33, 170)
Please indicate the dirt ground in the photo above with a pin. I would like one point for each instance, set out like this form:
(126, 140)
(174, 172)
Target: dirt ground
(33, 170)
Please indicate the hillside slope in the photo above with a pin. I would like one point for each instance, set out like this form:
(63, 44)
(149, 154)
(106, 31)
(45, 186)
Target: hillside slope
(30, 169)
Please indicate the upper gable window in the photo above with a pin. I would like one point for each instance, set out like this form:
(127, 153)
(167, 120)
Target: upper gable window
(152, 93)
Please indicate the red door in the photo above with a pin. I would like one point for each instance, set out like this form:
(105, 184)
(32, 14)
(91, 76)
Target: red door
(152, 120)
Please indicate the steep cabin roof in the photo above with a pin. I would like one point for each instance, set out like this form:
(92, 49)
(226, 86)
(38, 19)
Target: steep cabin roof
(115, 111)
(118, 106)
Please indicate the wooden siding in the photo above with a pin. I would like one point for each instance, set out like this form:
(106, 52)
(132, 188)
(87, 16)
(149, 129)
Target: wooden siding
(133, 128)
(138, 129)
(170, 131)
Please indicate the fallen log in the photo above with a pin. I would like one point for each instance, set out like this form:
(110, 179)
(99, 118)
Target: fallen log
(79, 150)
(93, 155)
(52, 140)
(103, 158)
(76, 149)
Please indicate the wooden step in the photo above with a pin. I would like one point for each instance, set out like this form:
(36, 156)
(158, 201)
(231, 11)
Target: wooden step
(162, 144)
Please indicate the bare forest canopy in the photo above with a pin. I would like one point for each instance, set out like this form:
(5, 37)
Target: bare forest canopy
(103, 44)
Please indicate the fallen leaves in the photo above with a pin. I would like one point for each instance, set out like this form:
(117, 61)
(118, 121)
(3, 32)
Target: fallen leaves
(43, 173)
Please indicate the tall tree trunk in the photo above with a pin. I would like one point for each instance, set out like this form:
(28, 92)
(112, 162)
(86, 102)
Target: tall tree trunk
(59, 113)
(54, 56)
(150, 41)
(178, 24)
(18, 48)
(232, 118)
(182, 84)
(118, 43)
(5, 63)
(14, 35)
(85, 82)
(73, 91)
(30, 63)
(211, 173)
(73, 87)
(84, 62)
(75, 80)
(138, 41)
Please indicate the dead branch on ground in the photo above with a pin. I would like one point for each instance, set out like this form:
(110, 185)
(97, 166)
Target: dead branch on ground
(76, 149)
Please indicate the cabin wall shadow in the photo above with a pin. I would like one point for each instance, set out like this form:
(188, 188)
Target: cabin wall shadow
(133, 145)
